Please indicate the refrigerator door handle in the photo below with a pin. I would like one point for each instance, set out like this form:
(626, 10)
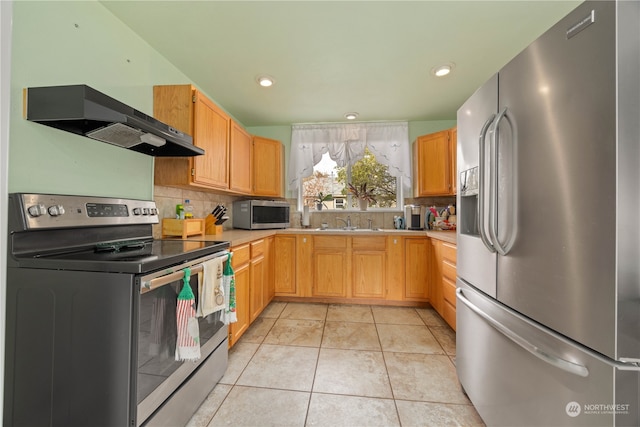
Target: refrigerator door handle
(565, 365)
(501, 248)
(481, 187)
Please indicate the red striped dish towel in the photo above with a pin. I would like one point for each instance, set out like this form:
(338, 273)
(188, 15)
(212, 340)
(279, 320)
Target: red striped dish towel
(188, 342)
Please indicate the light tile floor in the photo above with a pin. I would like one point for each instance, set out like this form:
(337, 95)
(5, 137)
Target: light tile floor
(305, 364)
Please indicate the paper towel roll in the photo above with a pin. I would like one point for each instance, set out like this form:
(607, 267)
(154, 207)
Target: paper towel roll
(305, 216)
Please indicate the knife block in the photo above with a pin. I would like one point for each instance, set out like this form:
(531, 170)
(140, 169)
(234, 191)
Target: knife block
(210, 226)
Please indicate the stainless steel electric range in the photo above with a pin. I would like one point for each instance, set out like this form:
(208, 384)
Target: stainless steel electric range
(91, 316)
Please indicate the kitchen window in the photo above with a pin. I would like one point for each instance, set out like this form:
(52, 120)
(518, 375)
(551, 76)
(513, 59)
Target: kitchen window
(330, 179)
(327, 157)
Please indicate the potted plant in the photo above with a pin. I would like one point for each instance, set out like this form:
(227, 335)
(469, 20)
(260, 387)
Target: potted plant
(320, 199)
(363, 194)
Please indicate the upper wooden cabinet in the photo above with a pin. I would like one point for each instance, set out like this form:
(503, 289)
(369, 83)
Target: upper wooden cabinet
(267, 167)
(240, 159)
(234, 161)
(187, 109)
(434, 164)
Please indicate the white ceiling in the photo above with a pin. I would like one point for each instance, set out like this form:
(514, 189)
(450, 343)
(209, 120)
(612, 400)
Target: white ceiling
(334, 57)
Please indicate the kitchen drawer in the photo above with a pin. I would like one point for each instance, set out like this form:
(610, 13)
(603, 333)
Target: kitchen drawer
(449, 291)
(369, 243)
(449, 314)
(257, 248)
(449, 253)
(329, 242)
(241, 255)
(449, 271)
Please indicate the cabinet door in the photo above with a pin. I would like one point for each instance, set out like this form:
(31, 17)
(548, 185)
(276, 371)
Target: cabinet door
(242, 282)
(416, 268)
(269, 285)
(395, 268)
(304, 265)
(267, 167)
(369, 274)
(330, 273)
(368, 267)
(436, 298)
(211, 132)
(239, 159)
(284, 274)
(453, 149)
(256, 287)
(431, 158)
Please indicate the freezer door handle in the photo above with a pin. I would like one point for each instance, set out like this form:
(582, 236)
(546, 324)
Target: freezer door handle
(481, 185)
(565, 365)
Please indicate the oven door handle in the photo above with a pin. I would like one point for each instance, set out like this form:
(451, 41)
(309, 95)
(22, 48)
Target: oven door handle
(169, 278)
(155, 283)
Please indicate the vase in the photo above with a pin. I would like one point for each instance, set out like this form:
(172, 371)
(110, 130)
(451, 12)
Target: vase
(318, 206)
(364, 203)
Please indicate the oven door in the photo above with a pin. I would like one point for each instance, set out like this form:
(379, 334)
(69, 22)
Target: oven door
(159, 375)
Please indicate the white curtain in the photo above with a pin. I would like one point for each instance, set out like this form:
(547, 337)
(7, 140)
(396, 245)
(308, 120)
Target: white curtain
(345, 143)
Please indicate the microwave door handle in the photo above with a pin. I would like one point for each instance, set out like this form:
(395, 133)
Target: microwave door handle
(481, 185)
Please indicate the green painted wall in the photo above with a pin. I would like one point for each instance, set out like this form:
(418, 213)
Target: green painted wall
(71, 42)
(423, 128)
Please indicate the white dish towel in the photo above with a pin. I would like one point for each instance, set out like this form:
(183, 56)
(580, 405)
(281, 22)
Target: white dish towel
(210, 288)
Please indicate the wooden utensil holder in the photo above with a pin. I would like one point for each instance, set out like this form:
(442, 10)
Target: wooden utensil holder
(183, 227)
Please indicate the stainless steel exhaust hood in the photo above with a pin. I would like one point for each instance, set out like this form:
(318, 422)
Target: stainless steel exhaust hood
(83, 110)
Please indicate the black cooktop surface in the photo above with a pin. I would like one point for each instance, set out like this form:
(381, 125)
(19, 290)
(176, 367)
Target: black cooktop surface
(131, 256)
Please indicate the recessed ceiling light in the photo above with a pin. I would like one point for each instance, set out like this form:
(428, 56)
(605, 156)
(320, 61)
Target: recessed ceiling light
(351, 116)
(442, 70)
(265, 81)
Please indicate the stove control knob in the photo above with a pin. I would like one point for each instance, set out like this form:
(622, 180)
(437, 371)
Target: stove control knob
(56, 210)
(137, 211)
(37, 210)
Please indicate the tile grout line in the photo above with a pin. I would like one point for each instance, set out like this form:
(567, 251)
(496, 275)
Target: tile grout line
(315, 369)
(243, 369)
(386, 368)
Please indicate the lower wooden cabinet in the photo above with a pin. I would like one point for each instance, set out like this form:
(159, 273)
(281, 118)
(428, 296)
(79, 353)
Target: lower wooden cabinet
(330, 275)
(444, 281)
(252, 265)
(240, 263)
(257, 277)
(284, 274)
(353, 268)
(416, 258)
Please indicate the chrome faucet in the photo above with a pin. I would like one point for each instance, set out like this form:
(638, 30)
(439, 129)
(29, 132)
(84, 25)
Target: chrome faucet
(370, 223)
(347, 223)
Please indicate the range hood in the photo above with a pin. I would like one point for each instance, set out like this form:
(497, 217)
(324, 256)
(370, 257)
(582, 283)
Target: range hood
(83, 110)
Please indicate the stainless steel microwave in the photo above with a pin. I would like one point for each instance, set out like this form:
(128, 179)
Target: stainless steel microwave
(260, 214)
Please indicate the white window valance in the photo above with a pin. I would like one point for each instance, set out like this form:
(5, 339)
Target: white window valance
(346, 143)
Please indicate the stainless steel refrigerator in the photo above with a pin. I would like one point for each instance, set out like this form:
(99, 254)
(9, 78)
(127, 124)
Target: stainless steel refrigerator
(548, 298)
